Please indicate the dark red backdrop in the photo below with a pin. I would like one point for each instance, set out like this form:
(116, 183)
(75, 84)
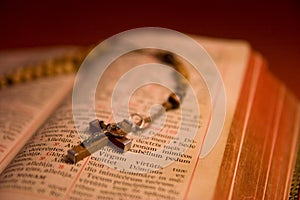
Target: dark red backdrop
(271, 27)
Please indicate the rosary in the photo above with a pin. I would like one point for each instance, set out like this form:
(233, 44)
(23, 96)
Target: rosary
(101, 133)
(117, 133)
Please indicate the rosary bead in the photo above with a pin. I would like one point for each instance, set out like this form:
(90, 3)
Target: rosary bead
(172, 103)
(174, 100)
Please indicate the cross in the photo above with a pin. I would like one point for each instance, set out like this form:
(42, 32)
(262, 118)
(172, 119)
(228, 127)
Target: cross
(116, 132)
(102, 133)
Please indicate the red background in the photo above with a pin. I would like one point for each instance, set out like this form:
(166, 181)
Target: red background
(273, 28)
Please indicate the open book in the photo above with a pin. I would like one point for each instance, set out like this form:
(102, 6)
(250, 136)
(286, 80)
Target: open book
(253, 158)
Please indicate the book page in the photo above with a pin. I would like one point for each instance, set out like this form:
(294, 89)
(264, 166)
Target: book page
(24, 107)
(232, 60)
(40, 171)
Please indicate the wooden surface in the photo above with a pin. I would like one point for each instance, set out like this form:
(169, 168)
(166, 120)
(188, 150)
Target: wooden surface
(272, 28)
